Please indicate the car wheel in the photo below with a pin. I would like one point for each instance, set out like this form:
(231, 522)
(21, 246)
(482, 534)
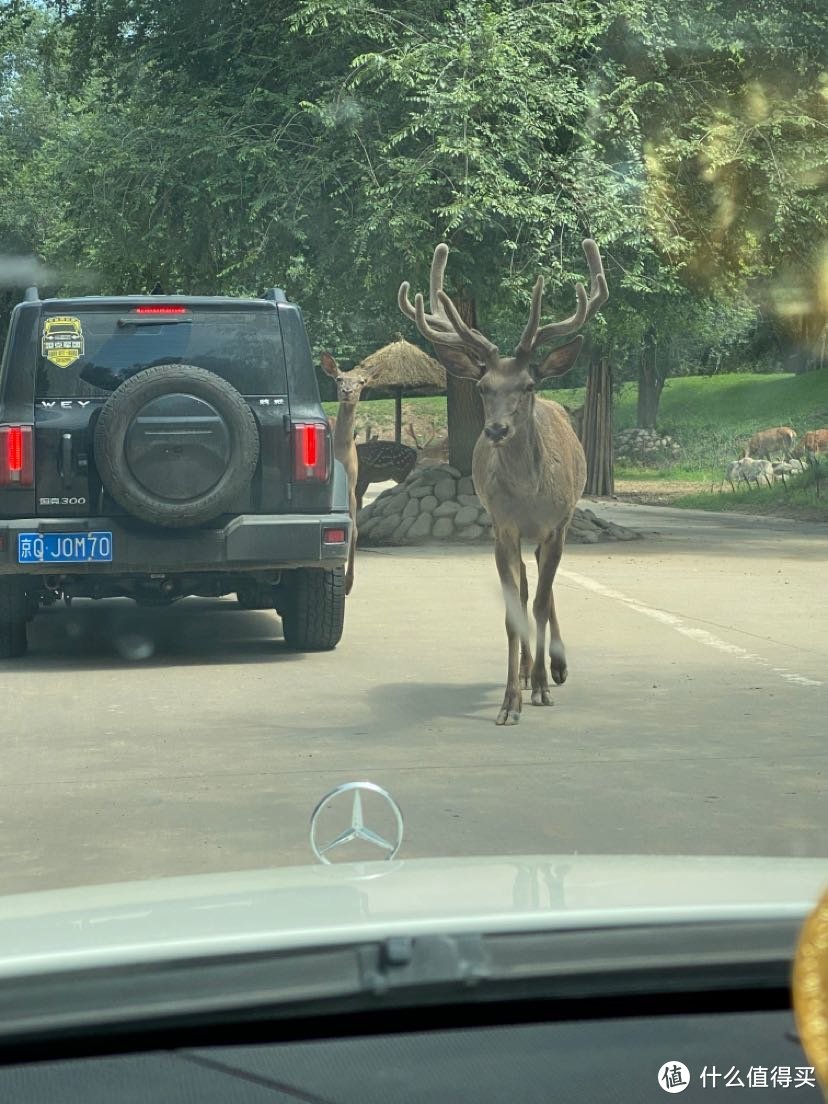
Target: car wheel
(13, 614)
(313, 608)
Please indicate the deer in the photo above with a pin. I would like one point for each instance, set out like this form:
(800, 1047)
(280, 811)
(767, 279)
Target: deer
(528, 466)
(349, 388)
(765, 441)
(380, 461)
(435, 448)
(812, 444)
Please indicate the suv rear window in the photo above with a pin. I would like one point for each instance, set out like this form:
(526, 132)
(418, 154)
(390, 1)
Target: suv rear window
(87, 354)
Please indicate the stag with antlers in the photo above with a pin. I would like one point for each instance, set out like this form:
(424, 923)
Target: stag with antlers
(528, 466)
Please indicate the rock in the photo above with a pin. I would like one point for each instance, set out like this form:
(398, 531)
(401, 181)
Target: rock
(472, 532)
(421, 528)
(428, 476)
(469, 500)
(412, 508)
(396, 505)
(588, 538)
(465, 486)
(420, 491)
(402, 529)
(446, 509)
(428, 504)
(445, 489)
(453, 472)
(466, 515)
(385, 527)
(443, 527)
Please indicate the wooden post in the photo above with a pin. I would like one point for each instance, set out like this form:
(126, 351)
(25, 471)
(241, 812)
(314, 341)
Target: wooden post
(597, 427)
(398, 415)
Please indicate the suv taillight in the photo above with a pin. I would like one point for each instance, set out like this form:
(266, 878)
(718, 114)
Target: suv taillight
(310, 451)
(16, 456)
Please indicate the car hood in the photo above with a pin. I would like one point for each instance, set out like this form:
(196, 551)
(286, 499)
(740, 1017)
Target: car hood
(291, 907)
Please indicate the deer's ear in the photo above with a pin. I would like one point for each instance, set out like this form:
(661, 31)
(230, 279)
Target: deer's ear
(559, 362)
(329, 365)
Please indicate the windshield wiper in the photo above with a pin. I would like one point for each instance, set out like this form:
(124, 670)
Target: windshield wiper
(400, 972)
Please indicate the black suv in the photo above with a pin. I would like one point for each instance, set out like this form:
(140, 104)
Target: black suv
(156, 447)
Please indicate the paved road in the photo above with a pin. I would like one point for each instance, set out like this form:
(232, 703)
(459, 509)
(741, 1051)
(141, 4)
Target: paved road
(693, 720)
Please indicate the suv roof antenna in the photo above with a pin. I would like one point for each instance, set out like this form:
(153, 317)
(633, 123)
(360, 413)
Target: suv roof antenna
(275, 295)
(32, 295)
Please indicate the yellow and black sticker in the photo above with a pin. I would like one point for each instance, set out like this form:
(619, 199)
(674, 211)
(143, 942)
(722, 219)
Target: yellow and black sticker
(62, 342)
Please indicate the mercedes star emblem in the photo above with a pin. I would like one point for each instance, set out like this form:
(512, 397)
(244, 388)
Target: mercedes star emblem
(357, 830)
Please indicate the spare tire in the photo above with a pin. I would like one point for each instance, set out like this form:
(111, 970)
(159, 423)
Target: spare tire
(176, 446)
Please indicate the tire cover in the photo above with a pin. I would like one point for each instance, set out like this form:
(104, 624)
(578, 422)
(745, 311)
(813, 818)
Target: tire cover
(176, 445)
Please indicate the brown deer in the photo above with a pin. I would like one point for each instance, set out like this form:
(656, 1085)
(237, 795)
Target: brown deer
(778, 439)
(349, 387)
(812, 443)
(528, 465)
(435, 448)
(380, 461)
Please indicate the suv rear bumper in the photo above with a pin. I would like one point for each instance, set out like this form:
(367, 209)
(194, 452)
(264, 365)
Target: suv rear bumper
(238, 543)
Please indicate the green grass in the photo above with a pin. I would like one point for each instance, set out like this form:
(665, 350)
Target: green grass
(713, 417)
(800, 498)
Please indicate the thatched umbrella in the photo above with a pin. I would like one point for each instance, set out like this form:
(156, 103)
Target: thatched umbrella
(400, 367)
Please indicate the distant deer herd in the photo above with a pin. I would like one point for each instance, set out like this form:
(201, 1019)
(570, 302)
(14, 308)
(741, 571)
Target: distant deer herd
(756, 466)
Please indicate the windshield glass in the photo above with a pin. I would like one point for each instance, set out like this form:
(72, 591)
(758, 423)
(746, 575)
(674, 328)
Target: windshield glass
(510, 496)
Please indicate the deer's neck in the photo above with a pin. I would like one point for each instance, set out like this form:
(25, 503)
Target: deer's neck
(344, 430)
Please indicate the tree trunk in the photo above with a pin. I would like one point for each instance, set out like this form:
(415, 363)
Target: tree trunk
(650, 382)
(597, 427)
(463, 403)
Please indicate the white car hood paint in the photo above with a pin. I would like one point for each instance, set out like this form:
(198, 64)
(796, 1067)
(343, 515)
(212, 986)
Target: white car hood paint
(309, 906)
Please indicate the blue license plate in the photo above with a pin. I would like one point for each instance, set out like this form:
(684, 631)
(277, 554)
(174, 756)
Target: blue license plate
(40, 548)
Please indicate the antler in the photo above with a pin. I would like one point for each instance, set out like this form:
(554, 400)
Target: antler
(443, 326)
(535, 335)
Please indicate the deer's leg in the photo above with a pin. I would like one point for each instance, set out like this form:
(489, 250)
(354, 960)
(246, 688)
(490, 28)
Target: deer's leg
(549, 556)
(525, 653)
(507, 558)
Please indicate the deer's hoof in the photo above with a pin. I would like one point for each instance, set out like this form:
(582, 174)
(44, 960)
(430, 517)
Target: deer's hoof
(557, 663)
(508, 717)
(541, 697)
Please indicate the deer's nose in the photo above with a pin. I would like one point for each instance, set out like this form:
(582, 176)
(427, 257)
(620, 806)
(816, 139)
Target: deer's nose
(496, 431)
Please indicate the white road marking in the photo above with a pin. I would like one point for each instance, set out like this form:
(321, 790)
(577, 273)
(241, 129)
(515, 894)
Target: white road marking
(674, 622)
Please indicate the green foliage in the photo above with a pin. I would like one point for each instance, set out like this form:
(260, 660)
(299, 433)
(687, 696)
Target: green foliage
(327, 146)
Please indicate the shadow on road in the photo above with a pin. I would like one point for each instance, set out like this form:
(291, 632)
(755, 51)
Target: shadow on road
(437, 701)
(118, 633)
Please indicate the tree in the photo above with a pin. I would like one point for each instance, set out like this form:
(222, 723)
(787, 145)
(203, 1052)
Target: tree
(328, 146)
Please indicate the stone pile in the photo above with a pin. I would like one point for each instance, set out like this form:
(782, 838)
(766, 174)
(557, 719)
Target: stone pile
(438, 504)
(645, 446)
